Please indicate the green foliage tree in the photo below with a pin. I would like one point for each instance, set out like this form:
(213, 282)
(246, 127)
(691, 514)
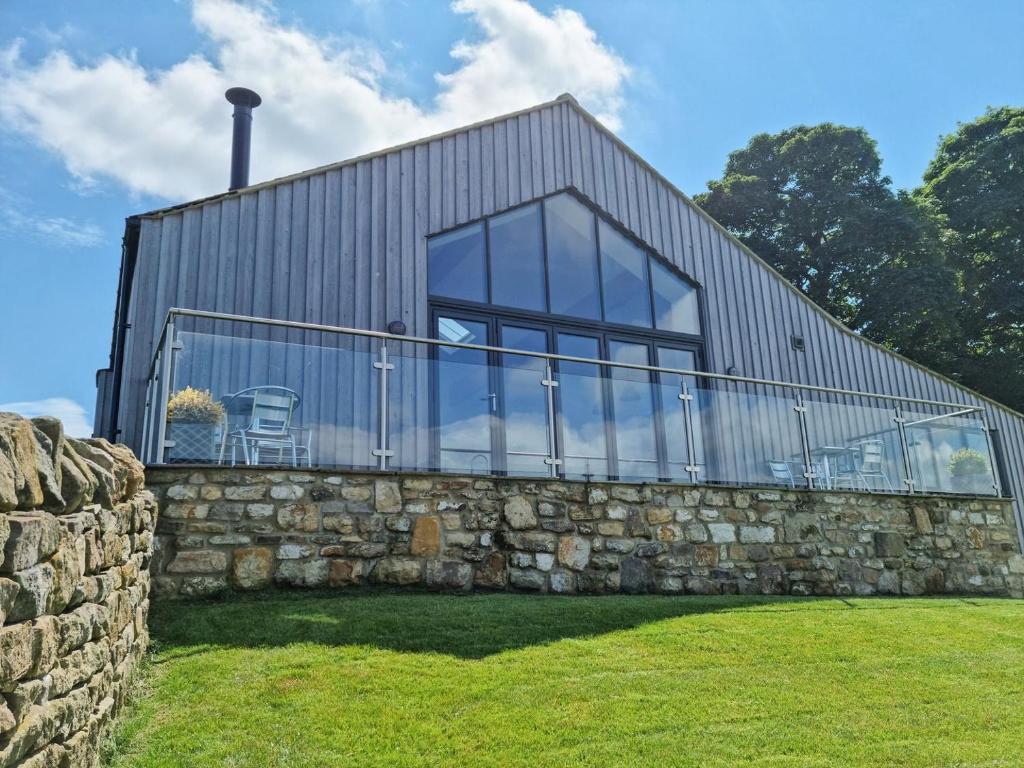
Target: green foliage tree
(975, 186)
(812, 201)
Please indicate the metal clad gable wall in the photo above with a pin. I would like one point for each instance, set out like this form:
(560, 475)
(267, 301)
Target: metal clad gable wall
(347, 246)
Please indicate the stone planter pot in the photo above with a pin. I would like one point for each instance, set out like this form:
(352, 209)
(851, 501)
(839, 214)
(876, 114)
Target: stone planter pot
(194, 442)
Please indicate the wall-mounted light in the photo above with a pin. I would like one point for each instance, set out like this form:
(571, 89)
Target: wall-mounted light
(397, 328)
(797, 342)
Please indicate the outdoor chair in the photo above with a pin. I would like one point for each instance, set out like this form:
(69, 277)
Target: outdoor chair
(268, 431)
(782, 473)
(868, 465)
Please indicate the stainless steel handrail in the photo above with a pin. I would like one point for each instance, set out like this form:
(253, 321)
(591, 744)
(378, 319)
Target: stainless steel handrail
(223, 316)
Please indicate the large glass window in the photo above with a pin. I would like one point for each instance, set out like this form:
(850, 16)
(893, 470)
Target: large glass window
(525, 402)
(581, 389)
(456, 265)
(517, 259)
(627, 299)
(559, 256)
(465, 398)
(572, 258)
(633, 405)
(675, 301)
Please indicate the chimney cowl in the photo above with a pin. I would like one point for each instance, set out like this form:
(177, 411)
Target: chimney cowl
(244, 101)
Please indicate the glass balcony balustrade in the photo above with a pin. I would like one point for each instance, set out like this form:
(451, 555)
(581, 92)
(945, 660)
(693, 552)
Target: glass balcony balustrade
(283, 394)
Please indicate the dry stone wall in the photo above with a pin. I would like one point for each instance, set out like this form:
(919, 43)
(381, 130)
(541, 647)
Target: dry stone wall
(76, 535)
(223, 529)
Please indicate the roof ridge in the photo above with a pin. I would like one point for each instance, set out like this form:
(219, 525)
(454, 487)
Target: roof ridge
(566, 98)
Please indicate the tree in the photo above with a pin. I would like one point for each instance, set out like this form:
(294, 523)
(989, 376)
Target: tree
(813, 203)
(975, 186)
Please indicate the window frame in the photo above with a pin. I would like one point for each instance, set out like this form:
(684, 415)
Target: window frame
(600, 215)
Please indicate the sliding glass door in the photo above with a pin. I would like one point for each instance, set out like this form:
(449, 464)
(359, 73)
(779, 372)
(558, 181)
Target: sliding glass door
(612, 422)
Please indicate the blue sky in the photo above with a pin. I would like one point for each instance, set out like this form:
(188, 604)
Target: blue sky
(110, 108)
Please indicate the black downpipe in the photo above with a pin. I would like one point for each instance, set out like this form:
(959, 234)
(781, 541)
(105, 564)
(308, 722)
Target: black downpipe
(244, 101)
(129, 256)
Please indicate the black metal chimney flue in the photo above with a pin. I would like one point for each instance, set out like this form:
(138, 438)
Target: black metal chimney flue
(244, 101)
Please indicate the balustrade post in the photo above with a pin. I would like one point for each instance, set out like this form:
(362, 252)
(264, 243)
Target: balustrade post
(549, 384)
(147, 420)
(908, 471)
(691, 459)
(382, 452)
(997, 485)
(171, 347)
(805, 444)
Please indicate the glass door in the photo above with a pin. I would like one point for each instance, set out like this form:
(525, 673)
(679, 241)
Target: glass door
(466, 398)
(673, 423)
(582, 409)
(633, 412)
(522, 406)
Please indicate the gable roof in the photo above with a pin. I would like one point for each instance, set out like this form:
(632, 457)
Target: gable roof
(571, 101)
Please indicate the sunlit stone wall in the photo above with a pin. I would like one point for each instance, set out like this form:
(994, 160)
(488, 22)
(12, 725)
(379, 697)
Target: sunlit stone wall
(224, 529)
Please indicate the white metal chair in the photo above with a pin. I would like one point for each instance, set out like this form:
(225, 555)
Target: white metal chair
(268, 428)
(782, 473)
(868, 465)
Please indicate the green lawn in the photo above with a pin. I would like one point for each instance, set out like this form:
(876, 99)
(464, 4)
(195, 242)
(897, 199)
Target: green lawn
(501, 680)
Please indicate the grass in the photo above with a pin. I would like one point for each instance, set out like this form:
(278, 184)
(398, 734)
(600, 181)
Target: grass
(385, 679)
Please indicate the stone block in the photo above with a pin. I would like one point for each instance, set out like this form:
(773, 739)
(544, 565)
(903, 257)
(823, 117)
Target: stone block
(302, 573)
(299, 517)
(387, 497)
(252, 567)
(449, 574)
(757, 534)
(426, 537)
(31, 538)
(563, 582)
(202, 586)
(344, 572)
(491, 573)
(397, 570)
(527, 579)
(286, 492)
(889, 544)
(17, 654)
(519, 513)
(722, 533)
(634, 575)
(574, 552)
(199, 561)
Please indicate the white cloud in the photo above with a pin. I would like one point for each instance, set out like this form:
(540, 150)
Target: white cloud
(68, 411)
(55, 230)
(167, 132)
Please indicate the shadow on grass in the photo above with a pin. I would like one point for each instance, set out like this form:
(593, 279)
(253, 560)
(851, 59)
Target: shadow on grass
(465, 626)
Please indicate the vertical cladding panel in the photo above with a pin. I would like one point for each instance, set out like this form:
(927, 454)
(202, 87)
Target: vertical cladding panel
(536, 156)
(512, 160)
(500, 166)
(487, 179)
(552, 163)
(474, 177)
(525, 158)
(448, 187)
(558, 139)
(461, 178)
(348, 247)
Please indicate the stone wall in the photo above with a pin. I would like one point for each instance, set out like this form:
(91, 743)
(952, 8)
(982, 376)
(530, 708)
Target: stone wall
(76, 533)
(226, 529)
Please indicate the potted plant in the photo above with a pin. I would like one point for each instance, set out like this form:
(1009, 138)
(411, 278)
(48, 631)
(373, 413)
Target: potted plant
(192, 419)
(970, 471)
